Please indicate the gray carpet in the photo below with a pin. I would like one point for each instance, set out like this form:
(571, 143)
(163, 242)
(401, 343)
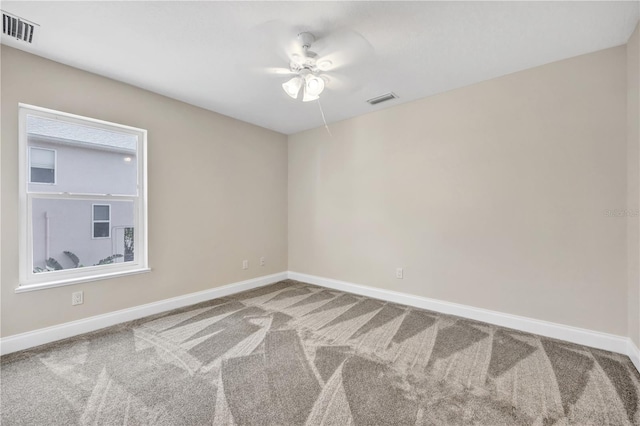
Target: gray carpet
(293, 354)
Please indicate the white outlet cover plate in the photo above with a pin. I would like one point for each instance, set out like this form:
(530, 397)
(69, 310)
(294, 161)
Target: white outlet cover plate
(77, 298)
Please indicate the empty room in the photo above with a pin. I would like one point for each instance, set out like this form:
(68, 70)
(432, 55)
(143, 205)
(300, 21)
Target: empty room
(320, 213)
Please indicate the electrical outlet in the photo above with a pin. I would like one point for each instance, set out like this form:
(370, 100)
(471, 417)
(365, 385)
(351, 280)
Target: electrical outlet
(262, 262)
(77, 298)
(245, 264)
(399, 273)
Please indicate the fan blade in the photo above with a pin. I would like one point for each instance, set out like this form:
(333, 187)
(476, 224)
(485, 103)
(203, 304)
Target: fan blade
(269, 57)
(277, 36)
(276, 43)
(343, 48)
(276, 71)
(340, 83)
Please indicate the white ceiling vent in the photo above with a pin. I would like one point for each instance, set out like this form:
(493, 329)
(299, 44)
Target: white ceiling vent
(382, 98)
(18, 28)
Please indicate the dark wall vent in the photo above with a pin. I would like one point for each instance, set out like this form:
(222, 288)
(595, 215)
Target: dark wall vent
(18, 28)
(382, 98)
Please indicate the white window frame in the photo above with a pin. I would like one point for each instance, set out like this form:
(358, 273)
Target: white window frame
(36, 281)
(94, 221)
(55, 166)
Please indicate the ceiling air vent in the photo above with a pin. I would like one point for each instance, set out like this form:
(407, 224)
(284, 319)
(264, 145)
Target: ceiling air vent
(18, 28)
(382, 98)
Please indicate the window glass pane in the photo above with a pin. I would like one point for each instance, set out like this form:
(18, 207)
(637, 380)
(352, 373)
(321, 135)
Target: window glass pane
(90, 160)
(128, 244)
(63, 231)
(100, 212)
(39, 175)
(100, 229)
(45, 158)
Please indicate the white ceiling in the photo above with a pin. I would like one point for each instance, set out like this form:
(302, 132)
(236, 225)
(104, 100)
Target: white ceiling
(200, 52)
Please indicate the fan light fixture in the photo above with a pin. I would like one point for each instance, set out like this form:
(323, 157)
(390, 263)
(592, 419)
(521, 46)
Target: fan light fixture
(325, 64)
(311, 89)
(313, 85)
(292, 87)
(306, 70)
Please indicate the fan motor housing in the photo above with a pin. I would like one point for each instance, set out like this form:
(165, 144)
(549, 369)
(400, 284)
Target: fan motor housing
(306, 39)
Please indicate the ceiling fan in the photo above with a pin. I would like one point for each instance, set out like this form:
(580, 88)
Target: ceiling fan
(312, 70)
(307, 68)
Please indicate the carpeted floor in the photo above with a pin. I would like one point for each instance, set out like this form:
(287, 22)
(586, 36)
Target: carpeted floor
(293, 353)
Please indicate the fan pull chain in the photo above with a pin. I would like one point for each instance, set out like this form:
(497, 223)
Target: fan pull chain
(326, 126)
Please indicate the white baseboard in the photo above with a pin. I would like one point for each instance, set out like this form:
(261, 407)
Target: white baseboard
(634, 354)
(567, 333)
(34, 338)
(581, 336)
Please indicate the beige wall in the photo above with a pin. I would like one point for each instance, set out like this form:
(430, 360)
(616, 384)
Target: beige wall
(633, 189)
(493, 195)
(217, 193)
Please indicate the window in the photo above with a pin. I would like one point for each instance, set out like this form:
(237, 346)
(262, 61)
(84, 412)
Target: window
(42, 165)
(101, 221)
(96, 176)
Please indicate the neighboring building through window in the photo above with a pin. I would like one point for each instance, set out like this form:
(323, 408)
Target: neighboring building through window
(42, 165)
(101, 221)
(90, 220)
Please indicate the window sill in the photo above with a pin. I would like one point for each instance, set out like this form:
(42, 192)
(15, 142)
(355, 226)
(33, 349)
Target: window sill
(70, 281)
